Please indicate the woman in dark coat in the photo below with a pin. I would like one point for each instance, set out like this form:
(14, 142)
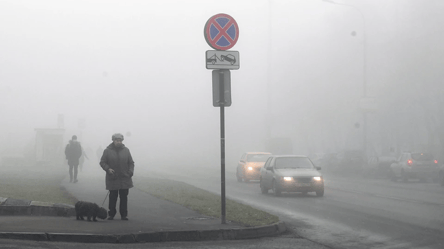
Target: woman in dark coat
(119, 167)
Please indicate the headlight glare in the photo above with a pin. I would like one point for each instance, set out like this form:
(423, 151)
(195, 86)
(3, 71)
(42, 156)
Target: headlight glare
(250, 168)
(286, 178)
(317, 178)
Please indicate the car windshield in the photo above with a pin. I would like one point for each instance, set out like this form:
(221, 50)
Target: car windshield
(422, 156)
(257, 158)
(293, 163)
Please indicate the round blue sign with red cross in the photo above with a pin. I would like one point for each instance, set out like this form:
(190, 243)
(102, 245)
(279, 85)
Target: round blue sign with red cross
(221, 32)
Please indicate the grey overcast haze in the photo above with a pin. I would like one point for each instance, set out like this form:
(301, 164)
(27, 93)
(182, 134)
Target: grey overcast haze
(357, 86)
(139, 67)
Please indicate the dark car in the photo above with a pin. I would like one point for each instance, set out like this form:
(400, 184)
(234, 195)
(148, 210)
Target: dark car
(291, 174)
(378, 166)
(328, 162)
(351, 160)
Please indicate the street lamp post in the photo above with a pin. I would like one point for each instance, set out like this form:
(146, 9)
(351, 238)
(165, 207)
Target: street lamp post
(364, 71)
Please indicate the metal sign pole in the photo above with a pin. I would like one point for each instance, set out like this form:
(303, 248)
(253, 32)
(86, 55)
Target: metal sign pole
(222, 143)
(225, 60)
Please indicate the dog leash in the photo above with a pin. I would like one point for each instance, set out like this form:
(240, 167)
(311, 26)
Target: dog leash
(105, 198)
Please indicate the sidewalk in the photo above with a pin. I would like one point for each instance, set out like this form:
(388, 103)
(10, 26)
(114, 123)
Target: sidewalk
(150, 219)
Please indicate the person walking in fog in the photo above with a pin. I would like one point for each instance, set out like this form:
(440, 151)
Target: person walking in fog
(73, 151)
(118, 164)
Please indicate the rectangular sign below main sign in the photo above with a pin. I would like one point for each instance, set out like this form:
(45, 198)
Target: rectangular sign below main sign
(215, 59)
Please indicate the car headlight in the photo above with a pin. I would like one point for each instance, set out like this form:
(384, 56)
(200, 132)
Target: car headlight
(250, 168)
(286, 178)
(317, 178)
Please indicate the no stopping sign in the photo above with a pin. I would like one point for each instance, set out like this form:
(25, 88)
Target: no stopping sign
(221, 32)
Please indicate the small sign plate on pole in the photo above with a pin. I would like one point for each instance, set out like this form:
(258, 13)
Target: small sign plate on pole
(221, 93)
(222, 59)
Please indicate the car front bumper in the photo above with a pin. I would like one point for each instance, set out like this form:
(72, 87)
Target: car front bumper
(295, 186)
(254, 174)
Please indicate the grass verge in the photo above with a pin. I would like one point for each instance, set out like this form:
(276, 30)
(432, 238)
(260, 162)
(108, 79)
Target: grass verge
(35, 186)
(204, 202)
(45, 187)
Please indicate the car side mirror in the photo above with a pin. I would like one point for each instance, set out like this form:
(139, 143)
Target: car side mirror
(270, 168)
(318, 168)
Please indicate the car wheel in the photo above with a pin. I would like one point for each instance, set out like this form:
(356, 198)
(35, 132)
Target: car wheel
(263, 189)
(276, 190)
(239, 178)
(320, 193)
(392, 176)
(404, 176)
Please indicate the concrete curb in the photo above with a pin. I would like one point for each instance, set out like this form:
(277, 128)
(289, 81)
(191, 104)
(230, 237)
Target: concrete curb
(164, 236)
(9, 206)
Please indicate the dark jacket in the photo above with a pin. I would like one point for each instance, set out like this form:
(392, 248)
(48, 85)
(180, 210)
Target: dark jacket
(121, 161)
(73, 151)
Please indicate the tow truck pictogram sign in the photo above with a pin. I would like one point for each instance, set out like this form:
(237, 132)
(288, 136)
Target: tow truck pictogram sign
(222, 59)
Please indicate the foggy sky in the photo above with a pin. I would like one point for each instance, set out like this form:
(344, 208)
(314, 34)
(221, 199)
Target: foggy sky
(138, 66)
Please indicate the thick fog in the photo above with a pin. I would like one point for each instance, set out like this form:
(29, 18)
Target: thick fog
(138, 68)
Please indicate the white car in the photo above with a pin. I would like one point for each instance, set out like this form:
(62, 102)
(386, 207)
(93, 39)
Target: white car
(411, 165)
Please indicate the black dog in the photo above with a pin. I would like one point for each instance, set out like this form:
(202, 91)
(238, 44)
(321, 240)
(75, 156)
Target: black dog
(89, 210)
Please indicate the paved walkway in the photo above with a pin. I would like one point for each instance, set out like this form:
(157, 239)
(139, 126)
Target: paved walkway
(150, 219)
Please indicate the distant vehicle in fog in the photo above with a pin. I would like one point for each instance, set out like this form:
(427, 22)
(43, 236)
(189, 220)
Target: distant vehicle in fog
(291, 173)
(316, 158)
(416, 165)
(329, 161)
(250, 164)
(378, 166)
(351, 160)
